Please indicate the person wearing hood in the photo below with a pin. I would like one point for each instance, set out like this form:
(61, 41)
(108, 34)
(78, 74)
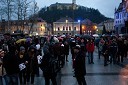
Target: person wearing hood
(22, 59)
(31, 64)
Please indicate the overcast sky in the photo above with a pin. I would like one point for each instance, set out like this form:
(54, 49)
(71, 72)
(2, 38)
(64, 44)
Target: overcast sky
(106, 7)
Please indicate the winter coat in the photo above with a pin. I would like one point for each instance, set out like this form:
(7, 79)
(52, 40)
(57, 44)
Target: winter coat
(32, 64)
(47, 66)
(10, 63)
(90, 47)
(66, 49)
(79, 64)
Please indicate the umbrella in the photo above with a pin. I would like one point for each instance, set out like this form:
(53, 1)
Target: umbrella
(20, 40)
(95, 35)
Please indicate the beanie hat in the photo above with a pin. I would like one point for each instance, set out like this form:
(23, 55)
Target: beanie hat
(22, 48)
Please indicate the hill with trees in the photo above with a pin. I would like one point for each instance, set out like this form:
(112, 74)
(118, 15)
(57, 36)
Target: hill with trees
(52, 15)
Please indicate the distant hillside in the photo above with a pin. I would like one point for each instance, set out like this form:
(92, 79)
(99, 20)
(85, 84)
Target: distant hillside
(52, 15)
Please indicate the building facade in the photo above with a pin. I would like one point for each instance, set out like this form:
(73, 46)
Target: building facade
(39, 28)
(88, 27)
(25, 26)
(121, 17)
(66, 26)
(109, 26)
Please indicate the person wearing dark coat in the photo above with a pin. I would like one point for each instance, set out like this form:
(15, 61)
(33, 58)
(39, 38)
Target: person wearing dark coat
(79, 66)
(10, 63)
(31, 64)
(48, 68)
(66, 50)
(113, 51)
(22, 59)
(105, 52)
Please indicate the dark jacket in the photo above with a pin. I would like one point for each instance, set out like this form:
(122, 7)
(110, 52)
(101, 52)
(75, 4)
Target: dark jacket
(79, 65)
(10, 63)
(66, 49)
(32, 64)
(47, 65)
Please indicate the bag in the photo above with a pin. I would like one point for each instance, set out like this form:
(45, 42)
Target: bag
(22, 66)
(39, 58)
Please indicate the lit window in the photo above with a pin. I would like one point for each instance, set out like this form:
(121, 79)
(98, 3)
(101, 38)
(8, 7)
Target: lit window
(66, 28)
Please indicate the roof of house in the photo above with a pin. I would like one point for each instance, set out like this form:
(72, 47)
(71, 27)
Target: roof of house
(64, 19)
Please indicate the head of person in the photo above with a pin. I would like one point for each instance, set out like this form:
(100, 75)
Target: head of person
(22, 50)
(76, 48)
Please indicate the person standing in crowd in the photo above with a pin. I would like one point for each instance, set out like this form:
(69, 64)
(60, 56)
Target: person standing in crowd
(90, 49)
(125, 48)
(113, 51)
(2, 70)
(31, 64)
(101, 43)
(48, 68)
(79, 66)
(120, 44)
(22, 59)
(11, 65)
(66, 50)
(105, 52)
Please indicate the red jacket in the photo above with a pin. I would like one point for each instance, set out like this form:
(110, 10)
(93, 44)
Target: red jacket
(90, 47)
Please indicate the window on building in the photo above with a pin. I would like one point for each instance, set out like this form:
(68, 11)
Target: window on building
(66, 28)
(63, 28)
(63, 33)
(74, 28)
(69, 27)
(58, 29)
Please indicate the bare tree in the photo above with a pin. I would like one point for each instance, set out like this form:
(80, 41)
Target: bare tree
(7, 6)
(23, 10)
(34, 15)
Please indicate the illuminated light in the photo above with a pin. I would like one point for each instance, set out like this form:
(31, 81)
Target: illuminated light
(78, 20)
(36, 33)
(66, 21)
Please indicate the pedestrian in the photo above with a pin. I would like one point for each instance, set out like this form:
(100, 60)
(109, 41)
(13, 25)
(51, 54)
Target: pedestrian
(10, 63)
(113, 51)
(105, 52)
(101, 43)
(2, 70)
(22, 59)
(48, 68)
(66, 50)
(90, 49)
(31, 64)
(79, 66)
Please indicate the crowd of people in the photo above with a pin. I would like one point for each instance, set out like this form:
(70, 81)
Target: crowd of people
(21, 58)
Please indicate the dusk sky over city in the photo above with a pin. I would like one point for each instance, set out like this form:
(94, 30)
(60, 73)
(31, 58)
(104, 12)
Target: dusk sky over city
(106, 7)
